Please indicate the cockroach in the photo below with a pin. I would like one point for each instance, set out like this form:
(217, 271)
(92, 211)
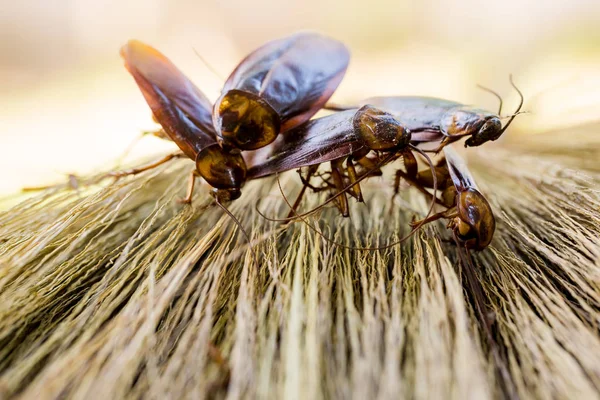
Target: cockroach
(444, 120)
(278, 87)
(185, 115)
(347, 136)
(275, 88)
(469, 215)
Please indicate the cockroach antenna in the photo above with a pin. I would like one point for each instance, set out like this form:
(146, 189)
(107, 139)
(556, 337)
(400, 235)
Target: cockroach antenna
(241, 227)
(495, 94)
(517, 111)
(208, 65)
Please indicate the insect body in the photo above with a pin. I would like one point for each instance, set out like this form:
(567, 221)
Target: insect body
(469, 214)
(275, 88)
(450, 120)
(185, 115)
(347, 136)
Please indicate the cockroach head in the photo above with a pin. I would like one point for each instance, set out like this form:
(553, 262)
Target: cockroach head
(491, 129)
(245, 121)
(379, 130)
(222, 170)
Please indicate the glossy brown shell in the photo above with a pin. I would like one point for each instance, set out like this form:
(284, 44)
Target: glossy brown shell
(432, 114)
(315, 142)
(295, 75)
(179, 106)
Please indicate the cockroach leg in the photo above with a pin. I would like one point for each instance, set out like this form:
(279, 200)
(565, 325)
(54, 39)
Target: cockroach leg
(190, 189)
(397, 179)
(159, 133)
(355, 189)
(73, 183)
(297, 201)
(135, 171)
(412, 168)
(410, 163)
(368, 164)
(305, 185)
(449, 214)
(415, 183)
(445, 141)
(338, 180)
(315, 189)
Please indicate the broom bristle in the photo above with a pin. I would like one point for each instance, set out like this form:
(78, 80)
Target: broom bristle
(118, 291)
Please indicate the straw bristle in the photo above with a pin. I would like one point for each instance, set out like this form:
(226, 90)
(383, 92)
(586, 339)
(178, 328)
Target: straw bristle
(121, 292)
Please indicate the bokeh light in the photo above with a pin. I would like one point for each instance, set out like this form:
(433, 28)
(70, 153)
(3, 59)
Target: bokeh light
(67, 105)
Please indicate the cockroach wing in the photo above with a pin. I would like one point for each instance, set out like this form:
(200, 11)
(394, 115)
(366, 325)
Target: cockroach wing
(459, 172)
(315, 142)
(180, 108)
(160, 72)
(415, 113)
(426, 137)
(295, 75)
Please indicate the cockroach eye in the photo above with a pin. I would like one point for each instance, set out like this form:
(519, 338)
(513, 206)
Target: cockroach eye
(380, 130)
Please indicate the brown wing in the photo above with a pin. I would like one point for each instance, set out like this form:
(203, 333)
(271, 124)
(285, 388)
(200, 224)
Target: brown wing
(181, 109)
(425, 136)
(315, 142)
(416, 113)
(459, 172)
(295, 75)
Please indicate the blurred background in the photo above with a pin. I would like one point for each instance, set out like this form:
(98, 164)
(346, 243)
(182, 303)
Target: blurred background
(67, 105)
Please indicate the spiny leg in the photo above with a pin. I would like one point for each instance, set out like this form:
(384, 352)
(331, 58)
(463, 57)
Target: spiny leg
(410, 163)
(135, 171)
(338, 180)
(159, 133)
(190, 189)
(305, 184)
(445, 141)
(354, 190)
(418, 185)
(73, 183)
(449, 213)
(369, 164)
(326, 184)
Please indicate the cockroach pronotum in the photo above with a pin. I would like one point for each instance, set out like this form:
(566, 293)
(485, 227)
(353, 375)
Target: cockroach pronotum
(275, 88)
